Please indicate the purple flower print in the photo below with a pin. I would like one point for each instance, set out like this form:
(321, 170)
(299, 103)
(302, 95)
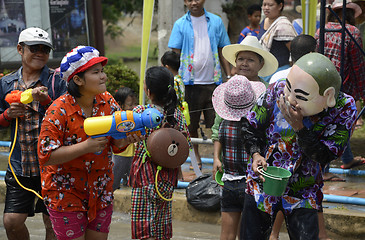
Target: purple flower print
(272, 199)
(285, 156)
(327, 120)
(333, 112)
(305, 170)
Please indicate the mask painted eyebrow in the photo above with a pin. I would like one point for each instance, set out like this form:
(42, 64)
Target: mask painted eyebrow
(288, 83)
(301, 91)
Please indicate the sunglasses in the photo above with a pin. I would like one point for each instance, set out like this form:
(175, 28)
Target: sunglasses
(39, 48)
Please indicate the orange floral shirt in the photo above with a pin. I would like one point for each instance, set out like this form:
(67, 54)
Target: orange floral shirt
(84, 183)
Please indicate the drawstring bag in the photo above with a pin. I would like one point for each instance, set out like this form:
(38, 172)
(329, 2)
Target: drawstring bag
(203, 193)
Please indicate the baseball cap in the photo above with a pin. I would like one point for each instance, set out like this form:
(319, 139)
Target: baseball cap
(34, 36)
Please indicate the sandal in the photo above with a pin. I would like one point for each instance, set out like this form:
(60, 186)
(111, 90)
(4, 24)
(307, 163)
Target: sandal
(358, 161)
(333, 178)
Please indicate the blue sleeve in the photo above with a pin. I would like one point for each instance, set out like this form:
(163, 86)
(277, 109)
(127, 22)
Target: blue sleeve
(223, 38)
(176, 37)
(242, 35)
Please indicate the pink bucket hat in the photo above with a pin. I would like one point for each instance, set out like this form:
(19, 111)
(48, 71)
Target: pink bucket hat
(233, 99)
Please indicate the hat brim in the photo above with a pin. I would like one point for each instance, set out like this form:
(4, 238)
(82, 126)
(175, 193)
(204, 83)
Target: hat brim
(350, 5)
(270, 65)
(92, 62)
(233, 114)
(39, 42)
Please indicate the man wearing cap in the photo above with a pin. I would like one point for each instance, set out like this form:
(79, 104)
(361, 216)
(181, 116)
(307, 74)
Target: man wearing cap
(34, 46)
(300, 124)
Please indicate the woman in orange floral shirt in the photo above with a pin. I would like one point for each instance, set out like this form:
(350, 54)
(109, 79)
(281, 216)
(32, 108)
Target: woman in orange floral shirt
(76, 182)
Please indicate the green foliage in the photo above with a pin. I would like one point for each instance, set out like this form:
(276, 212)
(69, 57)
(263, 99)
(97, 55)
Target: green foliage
(114, 10)
(302, 183)
(119, 75)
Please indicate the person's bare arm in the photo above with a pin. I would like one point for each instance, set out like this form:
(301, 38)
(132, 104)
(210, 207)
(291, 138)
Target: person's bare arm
(65, 154)
(225, 64)
(178, 51)
(288, 45)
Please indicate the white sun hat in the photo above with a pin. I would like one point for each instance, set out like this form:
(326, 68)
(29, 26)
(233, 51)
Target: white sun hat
(251, 43)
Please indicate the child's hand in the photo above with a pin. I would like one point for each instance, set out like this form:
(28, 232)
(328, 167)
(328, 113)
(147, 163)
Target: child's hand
(217, 166)
(96, 144)
(131, 138)
(40, 94)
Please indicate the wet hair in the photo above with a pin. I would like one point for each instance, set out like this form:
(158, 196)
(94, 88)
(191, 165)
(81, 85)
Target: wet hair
(172, 59)
(123, 93)
(253, 8)
(72, 88)
(301, 45)
(160, 81)
(350, 16)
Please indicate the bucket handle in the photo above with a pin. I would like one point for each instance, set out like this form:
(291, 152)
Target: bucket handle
(262, 172)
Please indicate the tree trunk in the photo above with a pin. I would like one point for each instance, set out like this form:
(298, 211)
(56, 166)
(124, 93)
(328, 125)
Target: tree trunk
(237, 16)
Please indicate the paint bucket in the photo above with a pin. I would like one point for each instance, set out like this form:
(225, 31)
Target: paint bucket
(276, 180)
(218, 177)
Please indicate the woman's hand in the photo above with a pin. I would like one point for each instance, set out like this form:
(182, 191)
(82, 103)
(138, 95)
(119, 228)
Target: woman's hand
(94, 145)
(258, 160)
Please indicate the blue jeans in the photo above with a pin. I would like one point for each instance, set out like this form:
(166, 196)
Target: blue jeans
(233, 196)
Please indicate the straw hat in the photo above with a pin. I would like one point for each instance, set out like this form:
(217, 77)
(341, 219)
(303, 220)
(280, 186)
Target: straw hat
(251, 43)
(233, 99)
(337, 4)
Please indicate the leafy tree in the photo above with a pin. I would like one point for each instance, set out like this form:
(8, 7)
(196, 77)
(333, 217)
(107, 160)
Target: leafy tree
(119, 75)
(114, 10)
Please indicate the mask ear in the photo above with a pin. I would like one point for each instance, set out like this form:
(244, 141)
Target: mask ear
(329, 94)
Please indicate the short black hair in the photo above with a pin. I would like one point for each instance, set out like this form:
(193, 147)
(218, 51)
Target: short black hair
(253, 8)
(172, 59)
(122, 94)
(301, 45)
(72, 88)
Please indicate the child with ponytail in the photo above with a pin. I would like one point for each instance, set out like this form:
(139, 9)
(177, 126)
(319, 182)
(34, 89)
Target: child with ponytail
(151, 215)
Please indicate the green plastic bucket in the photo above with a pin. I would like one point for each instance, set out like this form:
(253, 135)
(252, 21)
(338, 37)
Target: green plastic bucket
(218, 177)
(276, 180)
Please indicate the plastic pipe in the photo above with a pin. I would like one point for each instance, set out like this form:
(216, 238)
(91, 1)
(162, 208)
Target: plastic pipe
(343, 199)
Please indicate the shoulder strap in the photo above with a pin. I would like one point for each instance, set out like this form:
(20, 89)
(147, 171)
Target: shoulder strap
(57, 70)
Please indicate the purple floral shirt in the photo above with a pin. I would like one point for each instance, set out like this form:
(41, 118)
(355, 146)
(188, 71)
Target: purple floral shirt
(303, 153)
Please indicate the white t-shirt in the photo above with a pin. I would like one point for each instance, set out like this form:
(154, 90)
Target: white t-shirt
(279, 75)
(203, 61)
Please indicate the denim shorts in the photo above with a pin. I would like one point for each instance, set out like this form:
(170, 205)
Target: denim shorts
(233, 196)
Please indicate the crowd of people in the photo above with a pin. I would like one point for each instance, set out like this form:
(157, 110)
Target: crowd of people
(278, 103)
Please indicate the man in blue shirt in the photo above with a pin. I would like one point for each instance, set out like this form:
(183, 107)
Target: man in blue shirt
(199, 37)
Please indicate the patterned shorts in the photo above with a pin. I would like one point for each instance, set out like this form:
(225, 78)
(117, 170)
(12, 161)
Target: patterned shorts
(71, 225)
(151, 215)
